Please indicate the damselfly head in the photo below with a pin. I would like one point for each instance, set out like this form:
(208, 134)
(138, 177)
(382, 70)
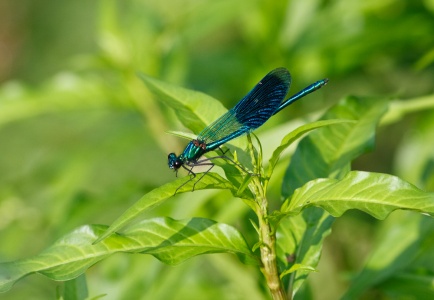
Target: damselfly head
(174, 161)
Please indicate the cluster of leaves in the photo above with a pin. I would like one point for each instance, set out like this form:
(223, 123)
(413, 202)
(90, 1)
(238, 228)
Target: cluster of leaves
(318, 176)
(80, 147)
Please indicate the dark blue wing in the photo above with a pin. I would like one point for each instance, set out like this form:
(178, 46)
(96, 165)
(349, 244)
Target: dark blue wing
(251, 112)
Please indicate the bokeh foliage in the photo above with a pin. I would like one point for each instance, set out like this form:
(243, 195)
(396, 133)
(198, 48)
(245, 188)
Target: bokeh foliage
(82, 138)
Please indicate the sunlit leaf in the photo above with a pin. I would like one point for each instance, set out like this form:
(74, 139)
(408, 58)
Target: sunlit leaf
(374, 193)
(170, 241)
(399, 108)
(326, 152)
(161, 194)
(297, 267)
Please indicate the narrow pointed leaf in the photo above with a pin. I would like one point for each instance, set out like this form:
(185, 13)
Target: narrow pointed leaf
(374, 193)
(170, 241)
(296, 267)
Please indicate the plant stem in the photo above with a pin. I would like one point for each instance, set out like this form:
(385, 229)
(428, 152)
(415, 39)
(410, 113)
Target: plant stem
(268, 246)
(268, 258)
(267, 233)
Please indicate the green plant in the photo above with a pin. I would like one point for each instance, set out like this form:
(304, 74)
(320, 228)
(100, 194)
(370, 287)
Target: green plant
(317, 186)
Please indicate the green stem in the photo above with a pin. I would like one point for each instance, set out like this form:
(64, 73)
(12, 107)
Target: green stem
(268, 246)
(266, 231)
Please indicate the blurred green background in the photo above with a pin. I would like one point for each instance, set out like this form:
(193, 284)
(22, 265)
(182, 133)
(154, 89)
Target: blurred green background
(81, 138)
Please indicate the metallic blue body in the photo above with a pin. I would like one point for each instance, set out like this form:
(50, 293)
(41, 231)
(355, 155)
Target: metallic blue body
(262, 102)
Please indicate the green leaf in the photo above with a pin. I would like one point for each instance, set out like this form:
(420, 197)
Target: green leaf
(296, 134)
(160, 194)
(404, 238)
(374, 193)
(184, 135)
(25, 103)
(296, 267)
(400, 108)
(237, 275)
(194, 109)
(76, 289)
(408, 286)
(328, 152)
(177, 241)
(299, 241)
(170, 241)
